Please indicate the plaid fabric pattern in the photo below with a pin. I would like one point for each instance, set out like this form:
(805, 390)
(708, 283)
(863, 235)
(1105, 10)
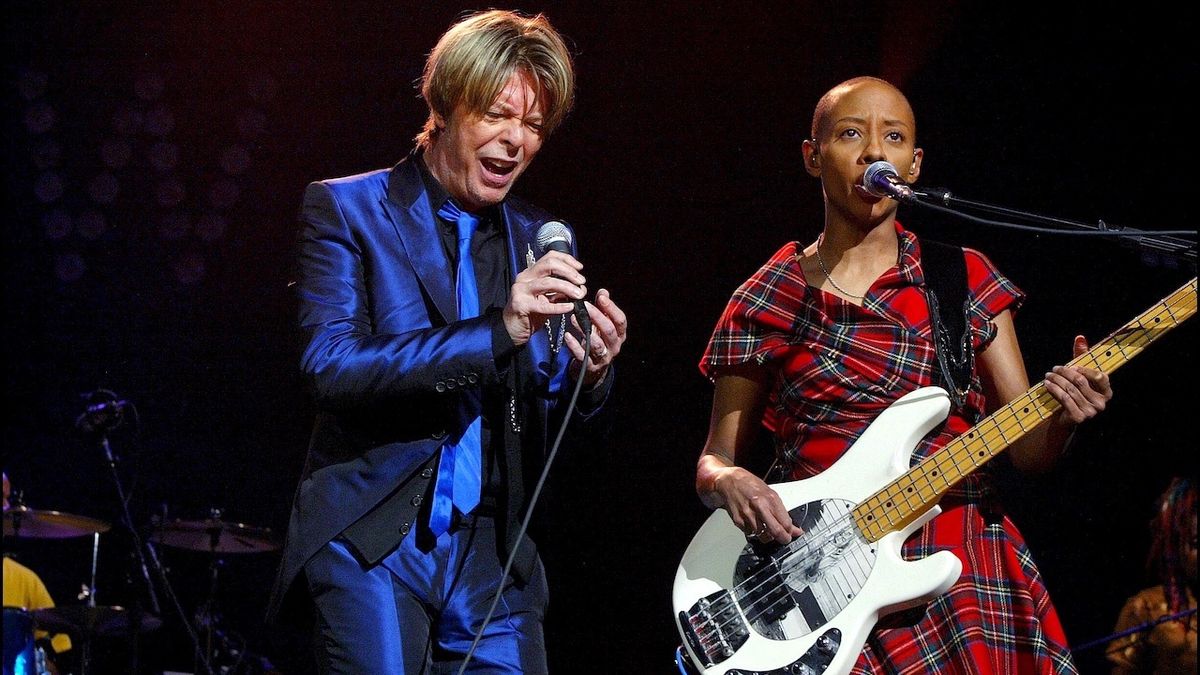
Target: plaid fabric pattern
(997, 618)
(839, 366)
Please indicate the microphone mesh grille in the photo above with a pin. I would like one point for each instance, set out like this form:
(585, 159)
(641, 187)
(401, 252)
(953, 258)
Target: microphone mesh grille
(880, 168)
(551, 232)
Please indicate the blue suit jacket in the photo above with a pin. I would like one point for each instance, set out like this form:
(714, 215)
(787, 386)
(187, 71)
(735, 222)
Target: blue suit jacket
(388, 359)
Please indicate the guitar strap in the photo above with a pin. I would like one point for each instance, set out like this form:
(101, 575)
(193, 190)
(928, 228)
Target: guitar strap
(945, 269)
(946, 292)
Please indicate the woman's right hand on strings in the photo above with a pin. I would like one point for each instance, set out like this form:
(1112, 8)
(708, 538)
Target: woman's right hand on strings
(754, 507)
(738, 399)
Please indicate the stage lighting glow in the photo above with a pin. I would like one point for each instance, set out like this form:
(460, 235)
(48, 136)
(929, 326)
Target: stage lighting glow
(32, 84)
(160, 121)
(169, 192)
(127, 120)
(40, 117)
(48, 187)
(189, 268)
(91, 225)
(57, 224)
(235, 160)
(46, 153)
(103, 188)
(173, 226)
(251, 123)
(115, 152)
(163, 156)
(211, 226)
(223, 194)
(149, 86)
(69, 267)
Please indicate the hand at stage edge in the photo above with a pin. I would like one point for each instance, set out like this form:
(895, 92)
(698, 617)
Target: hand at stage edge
(609, 330)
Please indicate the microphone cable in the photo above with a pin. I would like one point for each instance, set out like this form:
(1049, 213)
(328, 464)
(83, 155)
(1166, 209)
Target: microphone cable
(587, 340)
(1142, 627)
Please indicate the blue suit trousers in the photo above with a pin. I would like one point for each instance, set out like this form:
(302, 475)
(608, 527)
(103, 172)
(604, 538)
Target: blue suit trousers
(418, 612)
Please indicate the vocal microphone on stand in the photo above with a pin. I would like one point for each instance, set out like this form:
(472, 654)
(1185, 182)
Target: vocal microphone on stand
(101, 415)
(883, 180)
(106, 407)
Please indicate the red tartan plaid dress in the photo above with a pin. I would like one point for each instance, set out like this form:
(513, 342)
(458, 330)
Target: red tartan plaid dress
(839, 366)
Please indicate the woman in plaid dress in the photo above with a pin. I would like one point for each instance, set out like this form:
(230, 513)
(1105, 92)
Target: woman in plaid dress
(824, 337)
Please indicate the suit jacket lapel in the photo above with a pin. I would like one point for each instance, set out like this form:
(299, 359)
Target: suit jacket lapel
(408, 206)
(521, 241)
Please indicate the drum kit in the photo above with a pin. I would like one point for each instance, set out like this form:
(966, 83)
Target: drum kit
(213, 536)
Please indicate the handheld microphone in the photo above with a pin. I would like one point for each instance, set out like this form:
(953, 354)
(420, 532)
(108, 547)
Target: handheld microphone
(555, 236)
(882, 180)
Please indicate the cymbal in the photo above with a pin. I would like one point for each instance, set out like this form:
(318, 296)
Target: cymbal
(91, 621)
(216, 536)
(23, 521)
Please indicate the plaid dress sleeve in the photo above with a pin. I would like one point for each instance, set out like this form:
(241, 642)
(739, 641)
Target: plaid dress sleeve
(759, 321)
(991, 293)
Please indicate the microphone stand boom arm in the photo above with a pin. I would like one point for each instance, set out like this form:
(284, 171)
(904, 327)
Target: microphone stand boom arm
(1154, 242)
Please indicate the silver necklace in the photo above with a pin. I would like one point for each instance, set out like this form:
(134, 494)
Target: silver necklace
(825, 271)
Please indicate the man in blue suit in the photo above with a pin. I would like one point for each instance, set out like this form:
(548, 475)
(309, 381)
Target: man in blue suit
(441, 348)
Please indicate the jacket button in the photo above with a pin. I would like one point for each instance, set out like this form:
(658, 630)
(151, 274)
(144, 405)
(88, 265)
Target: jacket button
(451, 384)
(438, 435)
(404, 528)
(473, 378)
(462, 380)
(416, 501)
(427, 472)
(440, 387)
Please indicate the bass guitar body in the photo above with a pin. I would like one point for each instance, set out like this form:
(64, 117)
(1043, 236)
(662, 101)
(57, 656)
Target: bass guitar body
(807, 607)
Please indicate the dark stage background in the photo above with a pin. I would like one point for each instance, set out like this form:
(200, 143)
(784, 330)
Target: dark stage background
(155, 156)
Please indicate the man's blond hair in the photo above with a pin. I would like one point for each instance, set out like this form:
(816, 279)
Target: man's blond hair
(475, 58)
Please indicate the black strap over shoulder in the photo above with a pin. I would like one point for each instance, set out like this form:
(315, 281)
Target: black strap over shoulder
(945, 269)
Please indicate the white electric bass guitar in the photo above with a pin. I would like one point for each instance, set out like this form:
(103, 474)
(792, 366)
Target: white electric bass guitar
(807, 607)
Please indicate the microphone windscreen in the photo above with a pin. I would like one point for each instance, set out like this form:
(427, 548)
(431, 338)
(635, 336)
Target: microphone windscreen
(552, 233)
(879, 170)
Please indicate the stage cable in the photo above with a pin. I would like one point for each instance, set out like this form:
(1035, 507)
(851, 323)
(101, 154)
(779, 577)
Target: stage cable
(587, 340)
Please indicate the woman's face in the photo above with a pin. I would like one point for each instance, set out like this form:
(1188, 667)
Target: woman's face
(871, 121)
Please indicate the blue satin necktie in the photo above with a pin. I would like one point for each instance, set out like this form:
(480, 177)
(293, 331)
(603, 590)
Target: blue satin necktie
(459, 468)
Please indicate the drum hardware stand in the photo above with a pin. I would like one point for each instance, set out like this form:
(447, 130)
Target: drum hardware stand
(217, 539)
(88, 593)
(207, 614)
(103, 415)
(18, 501)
